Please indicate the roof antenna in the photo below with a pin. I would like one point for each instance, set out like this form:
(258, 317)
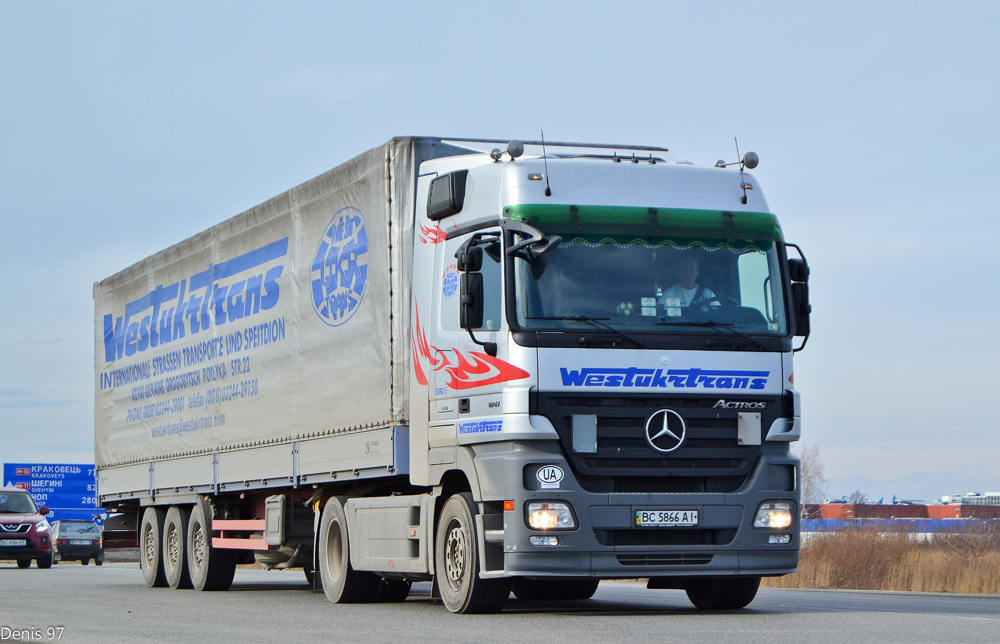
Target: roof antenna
(743, 182)
(548, 190)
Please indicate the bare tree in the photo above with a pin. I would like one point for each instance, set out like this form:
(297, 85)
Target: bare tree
(813, 477)
(857, 497)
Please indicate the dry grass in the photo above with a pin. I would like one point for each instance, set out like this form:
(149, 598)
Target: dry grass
(870, 559)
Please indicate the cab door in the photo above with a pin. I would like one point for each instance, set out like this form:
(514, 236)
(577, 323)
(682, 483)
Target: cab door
(465, 405)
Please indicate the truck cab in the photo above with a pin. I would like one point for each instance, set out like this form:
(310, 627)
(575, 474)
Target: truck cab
(606, 343)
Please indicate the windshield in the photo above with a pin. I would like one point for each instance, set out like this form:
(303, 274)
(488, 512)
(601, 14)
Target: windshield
(80, 528)
(17, 503)
(675, 271)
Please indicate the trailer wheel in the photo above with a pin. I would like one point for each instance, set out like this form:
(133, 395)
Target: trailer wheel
(456, 562)
(727, 593)
(210, 568)
(175, 565)
(150, 549)
(341, 582)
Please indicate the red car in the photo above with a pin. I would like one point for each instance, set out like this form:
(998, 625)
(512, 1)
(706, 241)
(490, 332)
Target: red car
(24, 532)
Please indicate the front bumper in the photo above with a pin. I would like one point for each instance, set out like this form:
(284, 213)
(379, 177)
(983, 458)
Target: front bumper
(607, 543)
(67, 553)
(37, 546)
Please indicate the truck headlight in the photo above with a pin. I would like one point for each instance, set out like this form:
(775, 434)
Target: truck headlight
(775, 515)
(550, 515)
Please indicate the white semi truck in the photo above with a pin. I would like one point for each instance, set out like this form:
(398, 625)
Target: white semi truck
(523, 369)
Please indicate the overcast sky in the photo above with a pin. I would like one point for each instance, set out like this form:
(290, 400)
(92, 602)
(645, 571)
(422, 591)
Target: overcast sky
(126, 127)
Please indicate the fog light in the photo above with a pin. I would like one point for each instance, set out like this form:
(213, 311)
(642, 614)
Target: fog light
(547, 515)
(779, 538)
(544, 541)
(774, 514)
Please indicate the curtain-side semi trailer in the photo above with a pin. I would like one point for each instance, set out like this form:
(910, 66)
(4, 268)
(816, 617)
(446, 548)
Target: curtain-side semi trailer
(496, 369)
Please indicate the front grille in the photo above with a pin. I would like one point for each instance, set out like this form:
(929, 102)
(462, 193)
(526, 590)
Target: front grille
(709, 460)
(665, 537)
(665, 560)
(14, 528)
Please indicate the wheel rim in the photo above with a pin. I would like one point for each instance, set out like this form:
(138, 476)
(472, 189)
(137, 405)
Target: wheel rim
(173, 548)
(455, 554)
(148, 547)
(334, 550)
(197, 554)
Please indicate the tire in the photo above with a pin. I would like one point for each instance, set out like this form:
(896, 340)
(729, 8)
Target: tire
(84, 562)
(151, 548)
(579, 589)
(342, 584)
(175, 566)
(456, 561)
(554, 589)
(209, 568)
(24, 563)
(393, 591)
(99, 562)
(44, 562)
(728, 593)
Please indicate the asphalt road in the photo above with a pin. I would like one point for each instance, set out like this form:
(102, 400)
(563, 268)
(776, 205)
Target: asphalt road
(111, 604)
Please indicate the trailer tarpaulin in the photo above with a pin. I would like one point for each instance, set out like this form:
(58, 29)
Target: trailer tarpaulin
(281, 323)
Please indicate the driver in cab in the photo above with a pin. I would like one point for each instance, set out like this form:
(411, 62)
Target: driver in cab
(687, 290)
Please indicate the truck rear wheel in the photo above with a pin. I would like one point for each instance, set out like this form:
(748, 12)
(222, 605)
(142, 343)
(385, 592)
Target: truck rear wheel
(210, 568)
(341, 582)
(727, 593)
(175, 565)
(456, 562)
(150, 547)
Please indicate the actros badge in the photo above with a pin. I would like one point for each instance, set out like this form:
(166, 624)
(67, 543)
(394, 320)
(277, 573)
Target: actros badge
(665, 430)
(340, 269)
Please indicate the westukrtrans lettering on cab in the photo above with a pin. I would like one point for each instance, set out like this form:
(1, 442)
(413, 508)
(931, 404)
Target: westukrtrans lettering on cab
(663, 378)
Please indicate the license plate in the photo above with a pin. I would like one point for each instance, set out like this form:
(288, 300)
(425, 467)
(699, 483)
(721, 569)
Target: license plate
(13, 542)
(80, 542)
(661, 518)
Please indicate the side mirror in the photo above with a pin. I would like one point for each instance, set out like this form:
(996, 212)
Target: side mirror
(469, 260)
(801, 308)
(471, 314)
(43, 510)
(798, 270)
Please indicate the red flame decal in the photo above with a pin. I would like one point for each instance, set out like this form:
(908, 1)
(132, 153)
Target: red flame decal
(472, 370)
(430, 235)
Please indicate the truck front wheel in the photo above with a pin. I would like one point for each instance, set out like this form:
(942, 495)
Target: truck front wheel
(728, 593)
(456, 562)
(341, 582)
(150, 547)
(210, 568)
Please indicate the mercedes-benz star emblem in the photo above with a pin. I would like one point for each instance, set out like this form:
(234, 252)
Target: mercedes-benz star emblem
(665, 430)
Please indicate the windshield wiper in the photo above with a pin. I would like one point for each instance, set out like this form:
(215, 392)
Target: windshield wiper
(716, 325)
(595, 322)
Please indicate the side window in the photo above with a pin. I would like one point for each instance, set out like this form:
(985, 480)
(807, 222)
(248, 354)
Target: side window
(492, 287)
(450, 285)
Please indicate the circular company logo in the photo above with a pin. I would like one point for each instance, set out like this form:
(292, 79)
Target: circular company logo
(449, 281)
(340, 269)
(665, 430)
